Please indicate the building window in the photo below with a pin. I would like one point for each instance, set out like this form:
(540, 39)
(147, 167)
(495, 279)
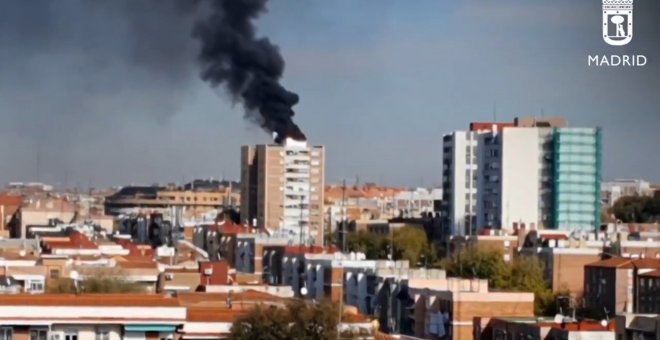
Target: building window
(102, 335)
(54, 274)
(36, 286)
(71, 335)
(38, 334)
(6, 333)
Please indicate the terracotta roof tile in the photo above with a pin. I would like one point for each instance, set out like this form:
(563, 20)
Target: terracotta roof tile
(615, 262)
(212, 314)
(114, 300)
(646, 263)
(11, 200)
(190, 299)
(627, 263)
(655, 274)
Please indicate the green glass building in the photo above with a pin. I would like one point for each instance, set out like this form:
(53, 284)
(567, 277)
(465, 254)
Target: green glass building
(577, 155)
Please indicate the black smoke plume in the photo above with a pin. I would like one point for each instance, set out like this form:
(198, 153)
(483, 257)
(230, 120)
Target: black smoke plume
(249, 67)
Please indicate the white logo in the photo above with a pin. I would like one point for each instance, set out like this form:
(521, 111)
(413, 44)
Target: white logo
(617, 22)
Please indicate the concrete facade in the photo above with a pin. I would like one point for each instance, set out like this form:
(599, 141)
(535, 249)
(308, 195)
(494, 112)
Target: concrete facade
(509, 177)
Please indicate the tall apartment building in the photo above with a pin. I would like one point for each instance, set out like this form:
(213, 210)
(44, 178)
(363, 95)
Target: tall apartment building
(577, 178)
(540, 177)
(509, 178)
(282, 189)
(459, 177)
(459, 181)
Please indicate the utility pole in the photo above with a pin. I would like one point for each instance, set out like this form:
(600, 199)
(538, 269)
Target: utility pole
(342, 231)
(302, 200)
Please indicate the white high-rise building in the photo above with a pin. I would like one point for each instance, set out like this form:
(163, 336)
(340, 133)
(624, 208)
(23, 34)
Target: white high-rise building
(540, 178)
(459, 181)
(460, 172)
(509, 190)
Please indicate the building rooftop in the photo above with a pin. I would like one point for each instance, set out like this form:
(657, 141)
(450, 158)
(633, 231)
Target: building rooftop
(104, 300)
(548, 322)
(488, 126)
(626, 263)
(11, 200)
(654, 274)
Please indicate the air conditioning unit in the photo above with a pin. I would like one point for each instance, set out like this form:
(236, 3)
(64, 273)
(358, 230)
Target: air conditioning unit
(169, 276)
(208, 271)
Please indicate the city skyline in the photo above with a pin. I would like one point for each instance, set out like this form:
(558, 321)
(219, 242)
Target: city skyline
(371, 83)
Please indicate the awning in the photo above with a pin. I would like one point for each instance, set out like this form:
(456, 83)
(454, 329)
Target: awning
(149, 328)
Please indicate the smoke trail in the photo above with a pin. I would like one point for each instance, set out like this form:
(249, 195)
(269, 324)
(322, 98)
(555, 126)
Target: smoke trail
(248, 66)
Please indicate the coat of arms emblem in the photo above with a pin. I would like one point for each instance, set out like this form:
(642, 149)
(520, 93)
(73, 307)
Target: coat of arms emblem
(617, 21)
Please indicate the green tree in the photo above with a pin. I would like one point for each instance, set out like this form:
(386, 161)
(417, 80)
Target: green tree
(524, 274)
(299, 320)
(97, 284)
(473, 262)
(637, 209)
(374, 246)
(261, 323)
(527, 275)
(410, 244)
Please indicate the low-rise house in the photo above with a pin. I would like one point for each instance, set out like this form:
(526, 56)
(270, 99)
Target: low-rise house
(523, 328)
(564, 266)
(9, 286)
(631, 326)
(42, 210)
(179, 280)
(451, 311)
(347, 278)
(31, 279)
(100, 316)
(648, 292)
(614, 284)
(393, 300)
(189, 280)
(137, 316)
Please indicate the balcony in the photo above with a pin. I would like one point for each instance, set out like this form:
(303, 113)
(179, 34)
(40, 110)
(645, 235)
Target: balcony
(295, 175)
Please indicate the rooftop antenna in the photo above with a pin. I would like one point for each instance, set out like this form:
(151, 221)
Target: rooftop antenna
(495, 112)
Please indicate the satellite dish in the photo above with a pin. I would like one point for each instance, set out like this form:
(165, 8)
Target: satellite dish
(603, 323)
(559, 319)
(303, 291)
(74, 275)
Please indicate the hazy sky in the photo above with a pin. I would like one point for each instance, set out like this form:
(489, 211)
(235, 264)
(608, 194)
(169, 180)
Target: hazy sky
(108, 93)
